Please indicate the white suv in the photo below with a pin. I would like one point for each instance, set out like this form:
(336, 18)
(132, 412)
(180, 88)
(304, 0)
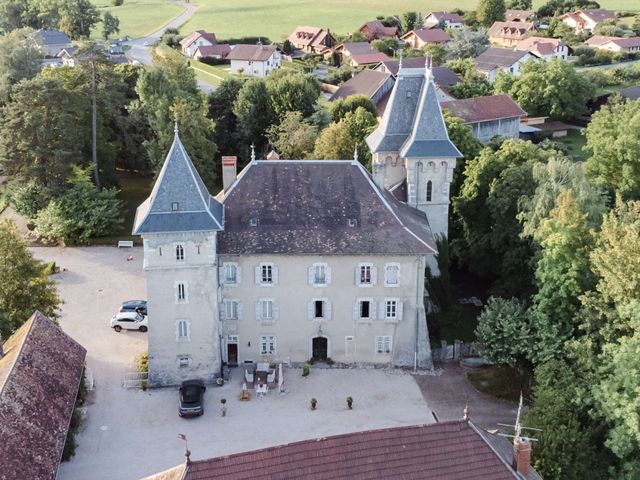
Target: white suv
(129, 321)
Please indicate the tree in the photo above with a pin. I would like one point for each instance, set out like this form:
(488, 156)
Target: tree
(334, 143)
(472, 85)
(254, 112)
(613, 140)
(342, 106)
(221, 102)
(77, 17)
(80, 213)
(24, 286)
(386, 45)
(294, 137)
(291, 91)
(466, 43)
(520, 4)
(361, 123)
(50, 142)
(552, 89)
(558, 7)
(110, 25)
(435, 51)
(462, 137)
(19, 60)
(490, 11)
(408, 21)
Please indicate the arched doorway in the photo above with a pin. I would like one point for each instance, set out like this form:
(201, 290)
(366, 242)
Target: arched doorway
(319, 348)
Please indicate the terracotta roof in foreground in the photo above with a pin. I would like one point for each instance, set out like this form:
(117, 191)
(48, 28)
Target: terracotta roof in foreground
(443, 451)
(39, 377)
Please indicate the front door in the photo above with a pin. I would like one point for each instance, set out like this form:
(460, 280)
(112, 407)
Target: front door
(319, 348)
(232, 354)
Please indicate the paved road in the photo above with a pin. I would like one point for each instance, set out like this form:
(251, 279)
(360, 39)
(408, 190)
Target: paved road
(141, 47)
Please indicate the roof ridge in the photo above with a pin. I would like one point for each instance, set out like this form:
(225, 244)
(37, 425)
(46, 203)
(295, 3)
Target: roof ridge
(30, 321)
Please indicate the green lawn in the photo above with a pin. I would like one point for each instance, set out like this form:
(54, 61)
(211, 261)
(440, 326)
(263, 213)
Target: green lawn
(139, 18)
(574, 141)
(134, 189)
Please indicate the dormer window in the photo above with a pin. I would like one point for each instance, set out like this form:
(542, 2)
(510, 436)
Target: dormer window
(253, 222)
(352, 222)
(175, 206)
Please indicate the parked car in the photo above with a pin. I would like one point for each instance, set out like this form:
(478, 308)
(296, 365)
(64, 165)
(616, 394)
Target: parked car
(129, 321)
(191, 398)
(139, 306)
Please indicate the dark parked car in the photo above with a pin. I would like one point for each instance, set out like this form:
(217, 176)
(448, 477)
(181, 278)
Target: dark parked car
(139, 306)
(191, 402)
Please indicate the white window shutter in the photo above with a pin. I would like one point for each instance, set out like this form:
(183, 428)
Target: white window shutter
(399, 311)
(257, 269)
(357, 278)
(276, 310)
(221, 278)
(356, 310)
(327, 310)
(240, 309)
(382, 309)
(310, 312)
(311, 275)
(259, 310)
(372, 310)
(238, 274)
(223, 311)
(374, 275)
(328, 275)
(275, 274)
(398, 275)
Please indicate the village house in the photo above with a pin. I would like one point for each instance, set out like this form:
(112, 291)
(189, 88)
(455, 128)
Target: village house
(443, 20)
(254, 60)
(219, 51)
(375, 30)
(544, 47)
(519, 15)
(587, 19)
(425, 36)
(453, 450)
(488, 117)
(358, 53)
(51, 42)
(508, 34)
(495, 59)
(373, 84)
(614, 44)
(193, 41)
(300, 259)
(311, 39)
(40, 372)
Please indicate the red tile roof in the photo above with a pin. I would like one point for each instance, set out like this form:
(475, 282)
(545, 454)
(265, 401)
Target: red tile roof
(484, 109)
(510, 30)
(597, 14)
(189, 39)
(311, 37)
(221, 50)
(254, 53)
(368, 58)
(541, 45)
(429, 35)
(376, 30)
(450, 17)
(442, 451)
(39, 377)
(518, 15)
(598, 40)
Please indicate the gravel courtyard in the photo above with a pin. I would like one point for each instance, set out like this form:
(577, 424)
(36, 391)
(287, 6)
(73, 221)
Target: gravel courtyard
(128, 434)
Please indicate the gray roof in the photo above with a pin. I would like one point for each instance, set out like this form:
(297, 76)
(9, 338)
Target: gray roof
(494, 57)
(304, 207)
(52, 37)
(412, 123)
(178, 185)
(254, 53)
(366, 82)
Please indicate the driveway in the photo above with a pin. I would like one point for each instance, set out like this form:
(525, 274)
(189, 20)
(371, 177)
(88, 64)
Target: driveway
(128, 434)
(448, 392)
(142, 53)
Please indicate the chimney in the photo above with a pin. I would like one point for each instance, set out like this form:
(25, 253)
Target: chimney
(522, 455)
(229, 172)
(273, 155)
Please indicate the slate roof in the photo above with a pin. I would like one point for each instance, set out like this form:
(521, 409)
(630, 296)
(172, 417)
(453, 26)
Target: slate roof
(221, 49)
(443, 76)
(366, 82)
(450, 17)
(412, 123)
(429, 35)
(484, 109)
(494, 57)
(597, 14)
(253, 53)
(39, 377)
(626, 42)
(453, 450)
(178, 182)
(52, 37)
(304, 207)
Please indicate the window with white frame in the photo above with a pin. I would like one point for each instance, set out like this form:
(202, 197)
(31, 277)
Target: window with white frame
(319, 309)
(231, 310)
(383, 344)
(184, 360)
(231, 272)
(319, 274)
(183, 333)
(364, 309)
(181, 292)
(392, 275)
(266, 274)
(366, 275)
(391, 309)
(179, 252)
(267, 344)
(266, 310)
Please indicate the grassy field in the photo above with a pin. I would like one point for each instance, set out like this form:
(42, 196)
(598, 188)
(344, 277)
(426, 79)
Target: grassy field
(139, 18)
(574, 141)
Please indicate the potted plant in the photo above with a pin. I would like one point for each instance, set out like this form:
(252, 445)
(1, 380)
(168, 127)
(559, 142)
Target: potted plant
(350, 402)
(143, 385)
(314, 402)
(223, 410)
(305, 370)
